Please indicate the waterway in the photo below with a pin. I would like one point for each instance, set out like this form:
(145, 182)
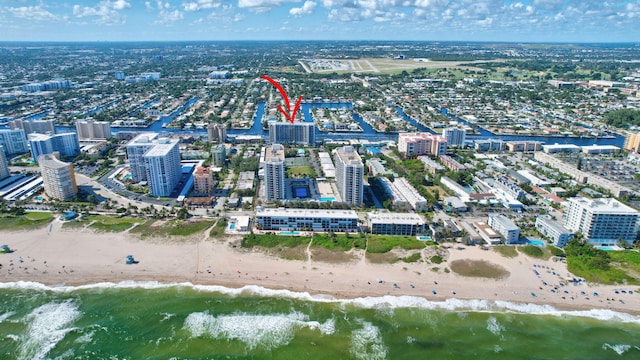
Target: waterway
(368, 134)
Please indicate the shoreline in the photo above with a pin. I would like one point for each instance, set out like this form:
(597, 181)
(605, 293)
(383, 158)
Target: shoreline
(80, 258)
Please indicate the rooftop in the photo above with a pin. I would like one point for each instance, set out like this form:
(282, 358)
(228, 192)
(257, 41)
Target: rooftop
(344, 214)
(395, 218)
(602, 206)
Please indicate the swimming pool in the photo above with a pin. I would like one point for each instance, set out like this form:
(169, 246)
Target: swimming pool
(608, 248)
(424, 238)
(289, 232)
(232, 226)
(536, 242)
(327, 199)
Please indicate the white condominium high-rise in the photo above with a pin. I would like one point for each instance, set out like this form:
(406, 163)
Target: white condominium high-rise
(274, 176)
(155, 160)
(58, 177)
(454, 136)
(416, 144)
(13, 141)
(602, 221)
(349, 175)
(91, 129)
(4, 164)
(66, 144)
(292, 133)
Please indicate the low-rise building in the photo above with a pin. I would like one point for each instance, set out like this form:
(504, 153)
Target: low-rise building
(432, 166)
(281, 219)
(558, 234)
(385, 223)
(523, 146)
(505, 227)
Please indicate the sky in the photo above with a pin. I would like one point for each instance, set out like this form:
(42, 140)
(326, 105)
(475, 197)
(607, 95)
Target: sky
(428, 20)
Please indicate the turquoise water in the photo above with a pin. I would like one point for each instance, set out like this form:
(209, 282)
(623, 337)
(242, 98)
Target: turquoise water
(289, 232)
(128, 176)
(424, 238)
(232, 226)
(327, 199)
(536, 242)
(155, 321)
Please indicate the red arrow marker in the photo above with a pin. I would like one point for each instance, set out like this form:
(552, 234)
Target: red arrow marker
(291, 117)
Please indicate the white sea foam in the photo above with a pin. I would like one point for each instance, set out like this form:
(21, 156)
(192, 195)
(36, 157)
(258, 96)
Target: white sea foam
(5, 316)
(381, 302)
(619, 348)
(494, 326)
(366, 343)
(46, 326)
(264, 331)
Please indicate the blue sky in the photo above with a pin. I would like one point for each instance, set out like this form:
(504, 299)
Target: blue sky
(433, 20)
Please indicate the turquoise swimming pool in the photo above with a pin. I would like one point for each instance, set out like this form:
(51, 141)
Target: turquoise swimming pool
(232, 226)
(424, 238)
(289, 232)
(327, 199)
(536, 242)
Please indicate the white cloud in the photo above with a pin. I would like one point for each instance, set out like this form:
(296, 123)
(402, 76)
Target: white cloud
(201, 5)
(261, 5)
(35, 13)
(168, 17)
(106, 12)
(307, 8)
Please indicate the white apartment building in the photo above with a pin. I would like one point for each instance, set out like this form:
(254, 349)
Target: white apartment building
(416, 144)
(58, 177)
(163, 167)
(558, 234)
(349, 175)
(13, 141)
(306, 220)
(34, 126)
(91, 129)
(155, 160)
(217, 132)
(292, 133)
(274, 175)
(505, 227)
(386, 223)
(454, 136)
(602, 222)
(66, 144)
(413, 197)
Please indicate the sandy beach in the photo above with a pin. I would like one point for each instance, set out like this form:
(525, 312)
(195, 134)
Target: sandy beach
(63, 257)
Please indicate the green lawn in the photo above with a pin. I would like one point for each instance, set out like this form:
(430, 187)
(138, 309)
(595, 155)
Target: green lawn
(506, 251)
(624, 267)
(29, 220)
(379, 244)
(219, 228)
(301, 171)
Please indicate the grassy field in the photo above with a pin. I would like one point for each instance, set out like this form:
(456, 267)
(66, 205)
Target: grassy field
(301, 171)
(535, 252)
(339, 242)
(218, 230)
(272, 240)
(478, 268)
(624, 268)
(110, 223)
(154, 228)
(379, 244)
(29, 220)
(506, 251)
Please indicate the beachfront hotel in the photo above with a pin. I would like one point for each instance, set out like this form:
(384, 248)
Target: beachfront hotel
(34, 126)
(416, 144)
(292, 133)
(505, 227)
(349, 175)
(155, 160)
(558, 234)
(306, 220)
(602, 222)
(274, 175)
(42, 144)
(58, 177)
(386, 223)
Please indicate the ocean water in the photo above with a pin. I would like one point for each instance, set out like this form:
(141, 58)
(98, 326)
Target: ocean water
(182, 321)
